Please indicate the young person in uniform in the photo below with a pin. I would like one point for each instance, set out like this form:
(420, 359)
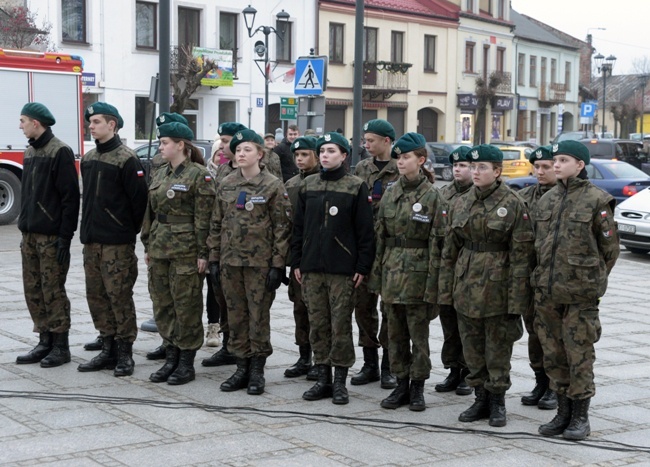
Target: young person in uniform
(486, 261)
(577, 246)
(49, 212)
(332, 250)
(114, 202)
(249, 243)
(379, 172)
(410, 230)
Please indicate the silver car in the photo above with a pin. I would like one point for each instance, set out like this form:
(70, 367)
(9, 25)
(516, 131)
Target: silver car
(633, 218)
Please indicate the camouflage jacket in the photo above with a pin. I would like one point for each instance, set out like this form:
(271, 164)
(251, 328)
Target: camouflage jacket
(271, 161)
(576, 242)
(376, 180)
(410, 228)
(454, 190)
(532, 194)
(223, 171)
(293, 188)
(177, 219)
(251, 222)
(488, 254)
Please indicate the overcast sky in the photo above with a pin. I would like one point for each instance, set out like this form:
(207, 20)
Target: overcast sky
(626, 23)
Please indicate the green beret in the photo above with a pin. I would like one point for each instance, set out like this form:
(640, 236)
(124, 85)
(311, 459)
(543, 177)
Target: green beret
(459, 154)
(485, 153)
(175, 130)
(304, 142)
(572, 148)
(335, 138)
(167, 117)
(230, 128)
(102, 108)
(542, 153)
(407, 143)
(380, 127)
(244, 136)
(38, 112)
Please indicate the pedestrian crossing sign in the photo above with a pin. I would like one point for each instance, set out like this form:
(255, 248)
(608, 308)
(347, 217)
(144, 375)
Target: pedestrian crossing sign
(311, 76)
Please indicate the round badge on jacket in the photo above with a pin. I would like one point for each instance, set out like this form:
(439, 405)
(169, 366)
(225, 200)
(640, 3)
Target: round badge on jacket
(417, 207)
(334, 211)
(502, 212)
(249, 206)
(170, 194)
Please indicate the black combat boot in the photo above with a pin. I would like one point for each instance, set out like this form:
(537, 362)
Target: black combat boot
(184, 372)
(450, 383)
(172, 355)
(125, 363)
(541, 385)
(60, 352)
(239, 379)
(480, 408)
(388, 381)
(561, 420)
(223, 355)
(97, 344)
(370, 369)
(548, 400)
(578, 428)
(497, 409)
(399, 397)
(339, 391)
(256, 381)
(106, 360)
(159, 353)
(303, 365)
(463, 389)
(312, 374)
(323, 386)
(417, 396)
(39, 352)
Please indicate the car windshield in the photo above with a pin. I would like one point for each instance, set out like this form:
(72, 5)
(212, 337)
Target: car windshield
(624, 170)
(511, 155)
(571, 135)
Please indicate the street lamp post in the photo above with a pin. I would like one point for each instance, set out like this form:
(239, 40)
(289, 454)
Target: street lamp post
(644, 80)
(262, 50)
(605, 66)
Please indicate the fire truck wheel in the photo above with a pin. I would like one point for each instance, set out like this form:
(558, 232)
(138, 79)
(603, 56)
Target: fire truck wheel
(9, 197)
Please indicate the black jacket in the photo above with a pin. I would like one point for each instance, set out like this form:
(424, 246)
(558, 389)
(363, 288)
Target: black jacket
(50, 188)
(289, 167)
(114, 194)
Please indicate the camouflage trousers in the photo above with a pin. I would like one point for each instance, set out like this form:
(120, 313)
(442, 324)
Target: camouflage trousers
(535, 352)
(176, 290)
(452, 346)
(111, 272)
(223, 310)
(487, 346)
(367, 318)
(300, 313)
(330, 300)
(44, 283)
(249, 310)
(568, 333)
(409, 324)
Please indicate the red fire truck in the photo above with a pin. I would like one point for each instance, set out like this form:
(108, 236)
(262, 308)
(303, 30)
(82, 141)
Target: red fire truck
(53, 79)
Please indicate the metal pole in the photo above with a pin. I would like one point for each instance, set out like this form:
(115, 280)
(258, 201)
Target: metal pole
(266, 80)
(602, 127)
(358, 83)
(163, 56)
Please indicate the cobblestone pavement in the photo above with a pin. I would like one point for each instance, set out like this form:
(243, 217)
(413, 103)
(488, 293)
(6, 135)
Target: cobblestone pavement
(62, 417)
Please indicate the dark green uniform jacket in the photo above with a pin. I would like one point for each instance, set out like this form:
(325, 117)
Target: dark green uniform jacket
(454, 190)
(377, 180)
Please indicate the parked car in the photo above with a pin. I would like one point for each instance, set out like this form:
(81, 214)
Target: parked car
(515, 162)
(438, 162)
(633, 219)
(526, 144)
(625, 150)
(574, 135)
(145, 154)
(619, 179)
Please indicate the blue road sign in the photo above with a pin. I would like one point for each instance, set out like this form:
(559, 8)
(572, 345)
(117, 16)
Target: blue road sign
(311, 76)
(260, 102)
(587, 110)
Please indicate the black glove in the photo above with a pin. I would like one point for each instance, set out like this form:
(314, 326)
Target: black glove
(274, 279)
(213, 272)
(285, 279)
(63, 251)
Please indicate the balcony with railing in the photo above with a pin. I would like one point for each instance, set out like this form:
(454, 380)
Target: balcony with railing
(383, 79)
(553, 93)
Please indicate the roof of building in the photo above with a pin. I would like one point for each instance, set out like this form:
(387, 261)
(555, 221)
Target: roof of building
(435, 8)
(530, 30)
(620, 88)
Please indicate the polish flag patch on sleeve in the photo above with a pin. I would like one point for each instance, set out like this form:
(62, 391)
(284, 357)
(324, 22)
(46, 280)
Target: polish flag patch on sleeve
(370, 199)
(603, 214)
(208, 178)
(140, 173)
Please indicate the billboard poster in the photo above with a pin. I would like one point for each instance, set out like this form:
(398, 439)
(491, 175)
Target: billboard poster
(220, 76)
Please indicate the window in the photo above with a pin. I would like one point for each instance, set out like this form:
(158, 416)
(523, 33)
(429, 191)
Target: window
(553, 70)
(189, 27)
(567, 76)
(73, 20)
(283, 41)
(143, 111)
(501, 59)
(88, 100)
(370, 45)
(521, 69)
(429, 53)
(227, 111)
(470, 5)
(543, 71)
(397, 46)
(469, 57)
(336, 42)
(228, 37)
(532, 81)
(145, 25)
(501, 9)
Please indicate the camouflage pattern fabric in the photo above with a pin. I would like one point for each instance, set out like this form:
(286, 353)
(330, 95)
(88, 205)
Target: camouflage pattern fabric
(44, 283)
(111, 272)
(176, 289)
(300, 312)
(249, 306)
(223, 171)
(454, 190)
(532, 194)
(330, 299)
(271, 161)
(408, 333)
(367, 171)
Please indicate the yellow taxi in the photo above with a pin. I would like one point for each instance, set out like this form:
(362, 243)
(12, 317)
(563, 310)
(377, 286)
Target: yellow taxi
(515, 162)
